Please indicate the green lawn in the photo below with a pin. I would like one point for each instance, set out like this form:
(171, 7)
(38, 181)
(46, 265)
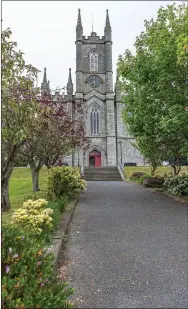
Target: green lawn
(160, 171)
(20, 188)
(21, 185)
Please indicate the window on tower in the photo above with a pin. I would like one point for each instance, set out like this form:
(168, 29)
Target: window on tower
(94, 120)
(94, 61)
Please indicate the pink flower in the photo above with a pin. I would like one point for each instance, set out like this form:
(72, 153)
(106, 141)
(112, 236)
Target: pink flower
(42, 284)
(7, 269)
(39, 263)
(22, 237)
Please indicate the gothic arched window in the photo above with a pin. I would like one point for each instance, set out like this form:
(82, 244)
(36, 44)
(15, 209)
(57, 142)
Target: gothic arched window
(94, 61)
(94, 121)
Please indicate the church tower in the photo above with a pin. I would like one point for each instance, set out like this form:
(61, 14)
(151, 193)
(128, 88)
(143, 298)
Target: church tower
(45, 85)
(94, 88)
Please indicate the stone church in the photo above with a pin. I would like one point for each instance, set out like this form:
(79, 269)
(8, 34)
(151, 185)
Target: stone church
(110, 142)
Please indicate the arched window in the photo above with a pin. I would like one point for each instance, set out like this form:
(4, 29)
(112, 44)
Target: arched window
(94, 61)
(94, 120)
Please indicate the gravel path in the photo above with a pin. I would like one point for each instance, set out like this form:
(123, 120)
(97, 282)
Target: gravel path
(127, 248)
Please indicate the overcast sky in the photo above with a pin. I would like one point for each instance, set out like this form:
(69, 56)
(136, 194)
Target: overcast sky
(45, 30)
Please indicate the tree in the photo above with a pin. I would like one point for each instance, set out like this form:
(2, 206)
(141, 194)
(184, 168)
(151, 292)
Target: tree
(154, 83)
(150, 152)
(54, 133)
(18, 107)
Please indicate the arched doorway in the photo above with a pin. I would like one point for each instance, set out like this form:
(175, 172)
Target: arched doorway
(94, 159)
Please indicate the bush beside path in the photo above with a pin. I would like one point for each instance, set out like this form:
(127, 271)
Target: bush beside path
(29, 278)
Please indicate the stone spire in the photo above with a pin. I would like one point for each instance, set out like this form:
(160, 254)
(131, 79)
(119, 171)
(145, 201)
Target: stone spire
(45, 85)
(79, 28)
(70, 77)
(107, 21)
(107, 29)
(70, 85)
(44, 77)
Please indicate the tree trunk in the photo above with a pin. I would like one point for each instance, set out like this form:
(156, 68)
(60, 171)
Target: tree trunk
(5, 201)
(6, 172)
(176, 166)
(35, 179)
(35, 169)
(153, 169)
(176, 169)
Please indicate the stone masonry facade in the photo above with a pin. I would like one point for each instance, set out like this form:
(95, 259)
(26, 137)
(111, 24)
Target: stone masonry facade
(102, 105)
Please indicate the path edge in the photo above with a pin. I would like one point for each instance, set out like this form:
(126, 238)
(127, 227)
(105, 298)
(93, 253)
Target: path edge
(60, 233)
(172, 196)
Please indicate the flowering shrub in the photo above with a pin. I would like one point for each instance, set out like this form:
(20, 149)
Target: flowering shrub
(64, 180)
(36, 204)
(34, 216)
(28, 276)
(177, 185)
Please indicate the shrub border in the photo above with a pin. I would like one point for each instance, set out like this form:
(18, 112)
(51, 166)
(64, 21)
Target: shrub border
(60, 233)
(177, 198)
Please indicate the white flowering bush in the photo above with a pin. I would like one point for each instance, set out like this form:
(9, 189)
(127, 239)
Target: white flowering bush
(177, 185)
(34, 215)
(64, 180)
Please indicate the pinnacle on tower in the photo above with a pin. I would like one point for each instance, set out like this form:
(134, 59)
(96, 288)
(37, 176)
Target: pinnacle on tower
(70, 77)
(79, 21)
(79, 28)
(107, 29)
(45, 86)
(44, 77)
(107, 25)
(70, 84)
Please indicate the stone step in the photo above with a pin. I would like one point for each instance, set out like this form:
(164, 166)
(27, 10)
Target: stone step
(101, 173)
(103, 176)
(101, 168)
(96, 179)
(108, 173)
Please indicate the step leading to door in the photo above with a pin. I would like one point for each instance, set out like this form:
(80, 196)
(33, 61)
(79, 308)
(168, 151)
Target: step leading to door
(107, 173)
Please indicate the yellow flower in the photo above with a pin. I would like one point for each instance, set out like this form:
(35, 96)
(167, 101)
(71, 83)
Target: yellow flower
(40, 252)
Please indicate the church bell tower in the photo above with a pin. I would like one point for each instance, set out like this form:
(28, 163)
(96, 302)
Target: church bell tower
(94, 87)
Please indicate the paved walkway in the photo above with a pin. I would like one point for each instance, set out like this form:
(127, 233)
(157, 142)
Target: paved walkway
(128, 248)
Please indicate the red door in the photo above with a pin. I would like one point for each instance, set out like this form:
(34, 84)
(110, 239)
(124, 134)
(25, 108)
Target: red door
(97, 160)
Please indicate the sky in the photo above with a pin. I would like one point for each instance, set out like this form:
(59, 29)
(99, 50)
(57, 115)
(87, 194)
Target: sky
(46, 30)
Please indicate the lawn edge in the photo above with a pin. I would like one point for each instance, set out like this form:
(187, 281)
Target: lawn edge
(60, 234)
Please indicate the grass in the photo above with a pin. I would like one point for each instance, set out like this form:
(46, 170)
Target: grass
(21, 185)
(20, 188)
(160, 171)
